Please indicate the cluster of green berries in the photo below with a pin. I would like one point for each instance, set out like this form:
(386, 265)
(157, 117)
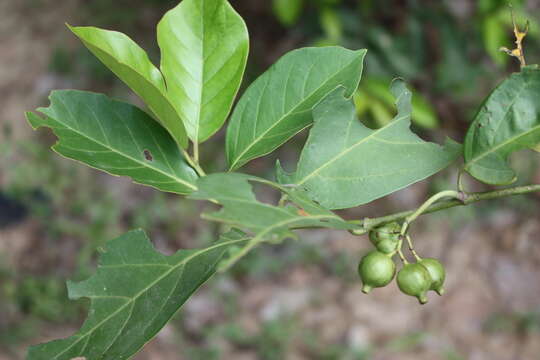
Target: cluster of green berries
(377, 269)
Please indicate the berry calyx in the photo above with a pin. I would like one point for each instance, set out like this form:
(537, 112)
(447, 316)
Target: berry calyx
(376, 269)
(414, 280)
(436, 272)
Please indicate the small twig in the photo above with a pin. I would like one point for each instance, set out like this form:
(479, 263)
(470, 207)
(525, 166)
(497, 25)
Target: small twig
(400, 252)
(460, 185)
(411, 248)
(364, 227)
(518, 52)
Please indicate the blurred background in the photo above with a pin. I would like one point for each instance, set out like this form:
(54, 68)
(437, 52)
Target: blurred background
(298, 300)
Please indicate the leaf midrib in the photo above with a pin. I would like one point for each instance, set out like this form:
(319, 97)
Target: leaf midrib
(350, 148)
(136, 296)
(292, 111)
(502, 144)
(150, 83)
(144, 164)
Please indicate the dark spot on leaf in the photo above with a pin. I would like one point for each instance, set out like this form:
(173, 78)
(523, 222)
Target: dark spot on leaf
(148, 155)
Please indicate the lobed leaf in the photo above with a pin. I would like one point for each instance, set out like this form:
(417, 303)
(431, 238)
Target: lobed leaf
(115, 137)
(278, 104)
(131, 64)
(345, 164)
(508, 121)
(204, 49)
(133, 294)
(240, 208)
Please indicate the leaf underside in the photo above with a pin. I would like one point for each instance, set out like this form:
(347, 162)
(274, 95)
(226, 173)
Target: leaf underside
(204, 49)
(278, 104)
(508, 121)
(131, 64)
(115, 137)
(345, 164)
(133, 294)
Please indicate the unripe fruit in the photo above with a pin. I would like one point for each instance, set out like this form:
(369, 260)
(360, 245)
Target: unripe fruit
(436, 274)
(387, 246)
(376, 270)
(385, 238)
(414, 280)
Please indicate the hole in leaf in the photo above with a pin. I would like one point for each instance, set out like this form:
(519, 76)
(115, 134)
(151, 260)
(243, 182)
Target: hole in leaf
(266, 194)
(148, 155)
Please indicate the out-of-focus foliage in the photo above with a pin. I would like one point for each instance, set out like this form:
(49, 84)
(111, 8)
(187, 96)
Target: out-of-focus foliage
(438, 46)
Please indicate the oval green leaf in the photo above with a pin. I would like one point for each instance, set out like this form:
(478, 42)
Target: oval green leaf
(204, 49)
(131, 64)
(508, 121)
(278, 104)
(115, 137)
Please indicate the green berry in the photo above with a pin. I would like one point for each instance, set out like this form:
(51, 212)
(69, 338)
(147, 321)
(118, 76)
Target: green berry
(436, 274)
(414, 280)
(376, 270)
(387, 246)
(385, 238)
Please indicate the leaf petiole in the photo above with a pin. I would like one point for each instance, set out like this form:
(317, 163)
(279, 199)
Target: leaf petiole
(194, 164)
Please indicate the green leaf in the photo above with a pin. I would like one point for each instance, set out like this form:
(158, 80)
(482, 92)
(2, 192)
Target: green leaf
(508, 121)
(131, 64)
(265, 221)
(204, 49)
(345, 164)
(242, 209)
(115, 137)
(133, 294)
(278, 104)
(287, 11)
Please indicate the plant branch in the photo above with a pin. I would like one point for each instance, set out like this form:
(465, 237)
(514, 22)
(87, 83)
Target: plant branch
(367, 224)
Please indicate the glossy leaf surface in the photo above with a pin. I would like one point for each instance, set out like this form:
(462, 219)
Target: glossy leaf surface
(133, 294)
(345, 164)
(131, 64)
(204, 49)
(115, 137)
(278, 104)
(508, 121)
